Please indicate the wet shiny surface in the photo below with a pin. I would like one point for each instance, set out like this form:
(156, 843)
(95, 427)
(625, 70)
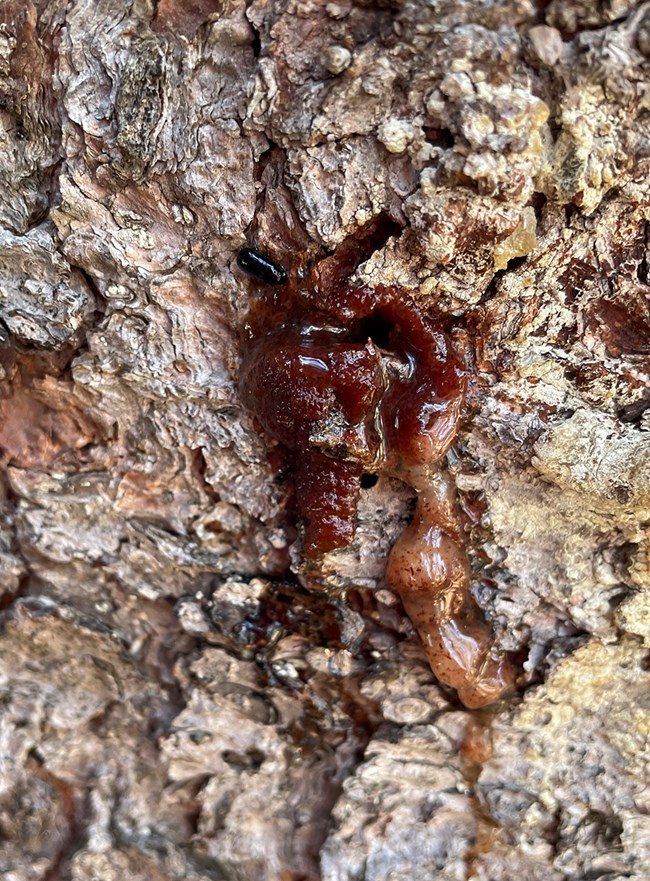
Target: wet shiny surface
(429, 569)
(352, 379)
(318, 381)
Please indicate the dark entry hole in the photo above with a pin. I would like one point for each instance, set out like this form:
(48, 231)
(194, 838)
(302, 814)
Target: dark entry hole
(368, 480)
(442, 137)
(257, 43)
(374, 328)
(251, 760)
(516, 262)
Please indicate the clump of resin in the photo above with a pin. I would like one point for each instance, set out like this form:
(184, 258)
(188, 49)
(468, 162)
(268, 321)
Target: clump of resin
(428, 567)
(352, 379)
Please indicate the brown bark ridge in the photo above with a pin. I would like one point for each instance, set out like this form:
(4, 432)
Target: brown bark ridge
(174, 703)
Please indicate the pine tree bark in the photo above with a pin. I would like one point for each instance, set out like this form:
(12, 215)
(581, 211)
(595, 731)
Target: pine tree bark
(174, 702)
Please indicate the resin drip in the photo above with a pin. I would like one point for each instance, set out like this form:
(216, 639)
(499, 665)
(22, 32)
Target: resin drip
(353, 379)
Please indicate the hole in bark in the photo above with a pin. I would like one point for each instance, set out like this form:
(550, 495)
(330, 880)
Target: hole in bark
(515, 263)
(538, 202)
(257, 43)
(372, 237)
(374, 328)
(442, 137)
(251, 760)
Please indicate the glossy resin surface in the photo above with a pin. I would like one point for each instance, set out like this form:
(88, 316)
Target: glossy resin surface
(353, 379)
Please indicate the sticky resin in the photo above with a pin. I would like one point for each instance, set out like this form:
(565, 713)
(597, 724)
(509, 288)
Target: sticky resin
(357, 379)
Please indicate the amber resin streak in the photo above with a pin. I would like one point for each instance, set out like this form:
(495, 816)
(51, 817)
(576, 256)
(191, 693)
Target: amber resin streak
(353, 379)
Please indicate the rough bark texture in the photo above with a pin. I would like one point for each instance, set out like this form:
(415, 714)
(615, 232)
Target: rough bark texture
(173, 703)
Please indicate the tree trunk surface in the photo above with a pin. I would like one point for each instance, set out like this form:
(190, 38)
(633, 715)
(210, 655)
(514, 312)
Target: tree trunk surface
(177, 700)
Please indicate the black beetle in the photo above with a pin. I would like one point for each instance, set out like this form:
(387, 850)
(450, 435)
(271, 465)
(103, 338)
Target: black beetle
(261, 267)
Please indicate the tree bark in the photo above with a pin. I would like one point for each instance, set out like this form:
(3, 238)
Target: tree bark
(176, 700)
